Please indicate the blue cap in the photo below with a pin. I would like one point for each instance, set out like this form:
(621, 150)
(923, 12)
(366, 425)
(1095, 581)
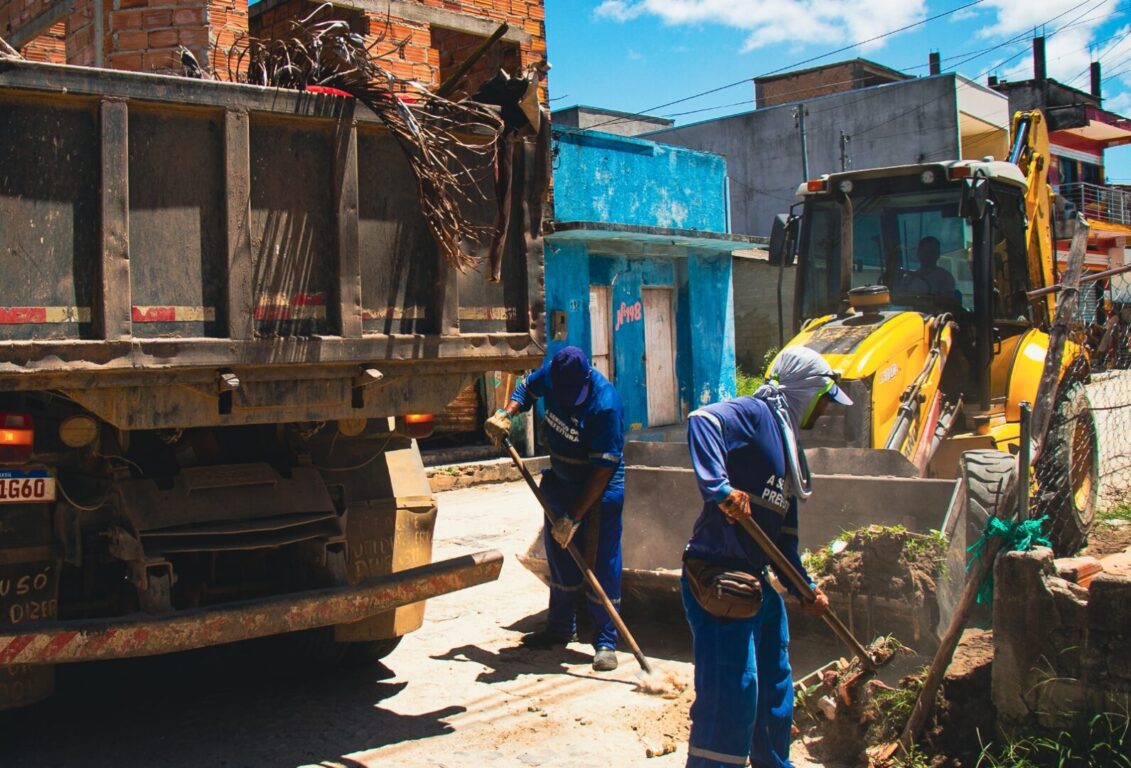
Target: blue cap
(569, 376)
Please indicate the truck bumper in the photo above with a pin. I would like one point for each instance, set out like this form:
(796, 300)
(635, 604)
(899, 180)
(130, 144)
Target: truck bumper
(138, 635)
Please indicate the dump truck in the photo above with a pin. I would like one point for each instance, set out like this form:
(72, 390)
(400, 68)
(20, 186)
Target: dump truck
(937, 372)
(224, 323)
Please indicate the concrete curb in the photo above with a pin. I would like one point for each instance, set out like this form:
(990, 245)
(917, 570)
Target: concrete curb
(449, 477)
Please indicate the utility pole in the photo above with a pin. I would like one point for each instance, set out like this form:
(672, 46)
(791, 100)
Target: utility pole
(845, 162)
(799, 122)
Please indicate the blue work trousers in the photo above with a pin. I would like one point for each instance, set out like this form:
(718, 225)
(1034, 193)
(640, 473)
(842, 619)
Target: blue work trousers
(743, 687)
(598, 541)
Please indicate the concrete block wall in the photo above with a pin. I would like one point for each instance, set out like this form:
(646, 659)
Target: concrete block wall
(622, 180)
(756, 310)
(1062, 653)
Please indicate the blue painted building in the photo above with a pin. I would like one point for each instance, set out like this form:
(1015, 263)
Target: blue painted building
(638, 271)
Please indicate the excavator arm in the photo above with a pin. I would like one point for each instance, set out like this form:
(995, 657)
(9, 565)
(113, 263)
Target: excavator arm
(1030, 153)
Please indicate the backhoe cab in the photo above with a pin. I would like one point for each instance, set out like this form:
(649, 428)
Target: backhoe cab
(912, 281)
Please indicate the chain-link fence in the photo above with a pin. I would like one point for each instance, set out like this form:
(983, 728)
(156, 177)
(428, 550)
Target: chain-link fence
(1084, 467)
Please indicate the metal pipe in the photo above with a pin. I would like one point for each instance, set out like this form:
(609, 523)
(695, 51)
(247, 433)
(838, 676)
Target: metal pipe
(1037, 293)
(1023, 460)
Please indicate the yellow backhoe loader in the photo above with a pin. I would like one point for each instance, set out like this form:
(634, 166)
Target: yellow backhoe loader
(914, 282)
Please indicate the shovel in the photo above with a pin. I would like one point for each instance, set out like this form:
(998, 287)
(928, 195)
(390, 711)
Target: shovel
(590, 578)
(802, 586)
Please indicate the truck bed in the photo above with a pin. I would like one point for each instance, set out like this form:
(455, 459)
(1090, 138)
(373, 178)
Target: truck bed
(162, 238)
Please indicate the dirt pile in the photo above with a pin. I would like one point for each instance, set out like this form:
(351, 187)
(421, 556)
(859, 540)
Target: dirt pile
(883, 580)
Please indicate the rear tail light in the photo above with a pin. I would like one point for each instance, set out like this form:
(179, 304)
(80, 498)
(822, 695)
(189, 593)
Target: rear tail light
(416, 425)
(816, 185)
(17, 436)
(959, 172)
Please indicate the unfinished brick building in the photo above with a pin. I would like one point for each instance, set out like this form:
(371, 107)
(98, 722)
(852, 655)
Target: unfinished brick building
(422, 40)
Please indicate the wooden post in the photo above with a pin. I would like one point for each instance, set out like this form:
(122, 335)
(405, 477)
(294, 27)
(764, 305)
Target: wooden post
(1046, 392)
(114, 320)
(237, 211)
(349, 239)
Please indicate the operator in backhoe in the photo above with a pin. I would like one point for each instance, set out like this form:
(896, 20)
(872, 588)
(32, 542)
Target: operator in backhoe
(936, 280)
(584, 488)
(748, 462)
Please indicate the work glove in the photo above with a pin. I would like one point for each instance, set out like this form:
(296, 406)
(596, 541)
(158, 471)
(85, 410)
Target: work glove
(818, 606)
(735, 505)
(564, 529)
(498, 426)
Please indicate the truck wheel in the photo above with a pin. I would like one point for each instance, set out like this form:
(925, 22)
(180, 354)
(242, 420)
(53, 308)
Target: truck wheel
(1067, 472)
(367, 652)
(986, 472)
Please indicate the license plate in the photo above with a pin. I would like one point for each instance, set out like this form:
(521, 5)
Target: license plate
(24, 485)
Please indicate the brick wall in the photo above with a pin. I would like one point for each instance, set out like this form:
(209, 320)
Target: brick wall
(143, 35)
(14, 14)
(50, 47)
(756, 310)
(805, 85)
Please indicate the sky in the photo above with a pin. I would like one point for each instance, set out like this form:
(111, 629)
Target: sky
(692, 60)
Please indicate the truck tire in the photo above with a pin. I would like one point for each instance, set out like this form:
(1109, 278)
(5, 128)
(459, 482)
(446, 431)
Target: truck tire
(360, 654)
(1067, 472)
(986, 472)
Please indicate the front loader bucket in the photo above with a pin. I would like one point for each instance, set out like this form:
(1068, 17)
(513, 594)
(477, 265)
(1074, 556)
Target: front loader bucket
(851, 489)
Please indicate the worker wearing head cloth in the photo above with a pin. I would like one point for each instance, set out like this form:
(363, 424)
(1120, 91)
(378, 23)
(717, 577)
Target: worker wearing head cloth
(747, 461)
(584, 487)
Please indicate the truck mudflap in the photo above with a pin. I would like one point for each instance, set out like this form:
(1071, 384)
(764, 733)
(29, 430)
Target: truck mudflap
(136, 635)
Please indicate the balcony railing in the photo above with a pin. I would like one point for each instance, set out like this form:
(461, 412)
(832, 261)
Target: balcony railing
(1098, 203)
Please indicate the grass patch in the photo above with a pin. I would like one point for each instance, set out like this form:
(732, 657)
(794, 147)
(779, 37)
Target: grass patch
(895, 706)
(747, 383)
(931, 546)
(1096, 742)
(1118, 512)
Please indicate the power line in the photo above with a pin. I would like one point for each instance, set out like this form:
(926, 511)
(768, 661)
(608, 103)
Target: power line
(794, 65)
(964, 58)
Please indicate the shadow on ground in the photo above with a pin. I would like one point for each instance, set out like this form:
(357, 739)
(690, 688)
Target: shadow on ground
(216, 705)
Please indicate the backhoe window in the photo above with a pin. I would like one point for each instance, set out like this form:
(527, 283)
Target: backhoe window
(913, 242)
(1011, 268)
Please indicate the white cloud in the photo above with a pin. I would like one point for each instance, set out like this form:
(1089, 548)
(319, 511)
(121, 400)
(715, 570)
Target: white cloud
(1017, 16)
(767, 22)
(634, 55)
(1070, 30)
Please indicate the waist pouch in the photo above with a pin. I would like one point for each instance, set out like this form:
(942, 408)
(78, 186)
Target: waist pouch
(722, 592)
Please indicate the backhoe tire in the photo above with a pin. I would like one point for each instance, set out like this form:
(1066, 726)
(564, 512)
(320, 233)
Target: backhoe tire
(1067, 472)
(987, 473)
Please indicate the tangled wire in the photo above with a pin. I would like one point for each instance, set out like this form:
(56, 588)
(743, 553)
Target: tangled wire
(432, 131)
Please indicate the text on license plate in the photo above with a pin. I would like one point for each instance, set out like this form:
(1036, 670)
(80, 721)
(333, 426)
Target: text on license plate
(23, 485)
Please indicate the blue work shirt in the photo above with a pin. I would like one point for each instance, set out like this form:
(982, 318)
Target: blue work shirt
(582, 436)
(737, 444)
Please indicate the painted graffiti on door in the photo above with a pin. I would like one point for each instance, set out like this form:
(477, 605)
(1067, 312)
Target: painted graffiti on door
(629, 313)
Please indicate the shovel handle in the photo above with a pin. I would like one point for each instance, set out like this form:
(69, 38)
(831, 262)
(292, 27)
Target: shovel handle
(807, 593)
(590, 578)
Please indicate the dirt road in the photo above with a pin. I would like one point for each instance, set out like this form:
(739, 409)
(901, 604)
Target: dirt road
(458, 693)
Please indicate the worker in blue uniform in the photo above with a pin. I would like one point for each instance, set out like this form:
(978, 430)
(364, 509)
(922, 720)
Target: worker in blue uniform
(584, 488)
(748, 462)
